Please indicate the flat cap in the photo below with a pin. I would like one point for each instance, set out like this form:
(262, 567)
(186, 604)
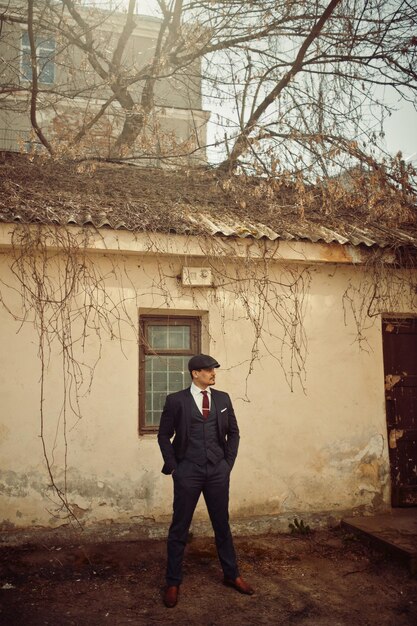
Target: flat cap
(201, 362)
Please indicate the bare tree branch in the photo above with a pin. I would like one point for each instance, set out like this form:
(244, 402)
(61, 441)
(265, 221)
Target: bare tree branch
(34, 81)
(261, 65)
(242, 141)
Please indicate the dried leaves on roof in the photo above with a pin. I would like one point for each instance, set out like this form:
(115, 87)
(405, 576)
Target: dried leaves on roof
(200, 201)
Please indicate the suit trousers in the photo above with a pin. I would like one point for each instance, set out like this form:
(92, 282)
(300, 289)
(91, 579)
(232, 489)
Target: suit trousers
(190, 480)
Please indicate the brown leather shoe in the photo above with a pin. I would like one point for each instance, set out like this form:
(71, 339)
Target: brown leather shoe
(240, 585)
(171, 596)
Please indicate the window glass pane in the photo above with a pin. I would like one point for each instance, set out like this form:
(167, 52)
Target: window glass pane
(179, 338)
(176, 363)
(25, 60)
(159, 363)
(25, 42)
(152, 418)
(46, 68)
(169, 337)
(159, 381)
(45, 51)
(164, 375)
(149, 403)
(175, 379)
(158, 337)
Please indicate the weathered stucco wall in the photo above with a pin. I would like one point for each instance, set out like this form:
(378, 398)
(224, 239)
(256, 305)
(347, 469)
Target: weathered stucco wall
(321, 449)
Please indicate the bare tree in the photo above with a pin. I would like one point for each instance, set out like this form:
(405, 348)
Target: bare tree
(298, 86)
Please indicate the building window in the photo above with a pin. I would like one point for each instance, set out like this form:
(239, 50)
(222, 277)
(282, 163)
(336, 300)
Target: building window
(166, 345)
(45, 53)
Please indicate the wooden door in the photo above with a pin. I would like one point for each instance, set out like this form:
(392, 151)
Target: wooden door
(400, 366)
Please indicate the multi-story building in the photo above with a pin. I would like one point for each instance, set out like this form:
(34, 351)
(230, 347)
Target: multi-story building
(76, 72)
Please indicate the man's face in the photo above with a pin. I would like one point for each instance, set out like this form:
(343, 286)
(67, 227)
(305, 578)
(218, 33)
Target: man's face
(204, 378)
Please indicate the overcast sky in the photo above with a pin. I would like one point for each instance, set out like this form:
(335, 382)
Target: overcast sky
(400, 128)
(401, 132)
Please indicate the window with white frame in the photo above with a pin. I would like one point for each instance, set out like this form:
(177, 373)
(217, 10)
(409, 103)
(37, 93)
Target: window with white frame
(45, 58)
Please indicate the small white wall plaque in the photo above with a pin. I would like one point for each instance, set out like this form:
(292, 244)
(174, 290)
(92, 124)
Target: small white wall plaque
(196, 277)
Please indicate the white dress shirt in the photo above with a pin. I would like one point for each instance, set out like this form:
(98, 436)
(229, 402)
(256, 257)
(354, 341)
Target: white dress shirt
(198, 396)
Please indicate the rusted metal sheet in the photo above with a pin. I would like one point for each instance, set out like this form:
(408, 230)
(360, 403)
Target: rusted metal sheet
(400, 364)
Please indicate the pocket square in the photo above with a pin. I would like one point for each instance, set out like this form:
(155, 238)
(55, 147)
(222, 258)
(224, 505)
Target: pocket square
(223, 410)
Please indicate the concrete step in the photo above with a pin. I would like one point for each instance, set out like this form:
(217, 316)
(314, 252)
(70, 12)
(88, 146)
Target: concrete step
(394, 532)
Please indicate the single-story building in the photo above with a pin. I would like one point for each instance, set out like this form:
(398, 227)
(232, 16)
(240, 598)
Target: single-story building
(112, 277)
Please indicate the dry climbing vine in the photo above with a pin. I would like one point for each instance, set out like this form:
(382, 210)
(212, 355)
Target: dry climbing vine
(388, 284)
(63, 295)
(63, 290)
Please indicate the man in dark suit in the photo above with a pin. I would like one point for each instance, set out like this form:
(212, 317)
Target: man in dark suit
(200, 459)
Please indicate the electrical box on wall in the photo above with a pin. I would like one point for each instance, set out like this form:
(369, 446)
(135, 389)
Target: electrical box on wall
(196, 277)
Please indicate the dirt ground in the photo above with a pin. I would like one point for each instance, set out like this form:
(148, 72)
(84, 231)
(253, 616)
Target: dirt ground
(326, 579)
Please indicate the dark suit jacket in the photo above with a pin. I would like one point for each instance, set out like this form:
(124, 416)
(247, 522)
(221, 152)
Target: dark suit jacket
(175, 422)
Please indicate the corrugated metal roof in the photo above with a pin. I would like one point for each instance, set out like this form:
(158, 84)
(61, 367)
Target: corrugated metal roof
(137, 199)
(347, 233)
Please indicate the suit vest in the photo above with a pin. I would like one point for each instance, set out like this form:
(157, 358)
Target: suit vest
(204, 444)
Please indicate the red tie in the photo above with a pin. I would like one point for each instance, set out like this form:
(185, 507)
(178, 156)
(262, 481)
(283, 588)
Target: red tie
(206, 405)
